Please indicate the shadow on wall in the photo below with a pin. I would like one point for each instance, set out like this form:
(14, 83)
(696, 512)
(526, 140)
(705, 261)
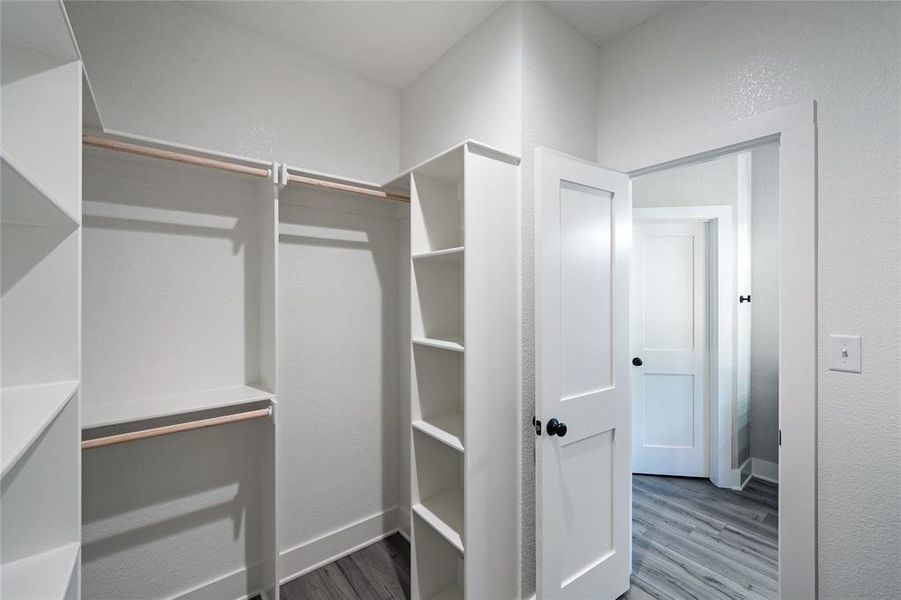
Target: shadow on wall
(174, 501)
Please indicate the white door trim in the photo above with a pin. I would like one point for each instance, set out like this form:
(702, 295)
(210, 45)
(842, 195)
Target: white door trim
(794, 127)
(722, 279)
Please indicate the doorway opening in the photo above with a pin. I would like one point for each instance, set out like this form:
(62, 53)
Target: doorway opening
(704, 378)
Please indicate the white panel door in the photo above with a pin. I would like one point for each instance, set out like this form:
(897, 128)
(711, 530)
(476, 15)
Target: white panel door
(582, 240)
(669, 340)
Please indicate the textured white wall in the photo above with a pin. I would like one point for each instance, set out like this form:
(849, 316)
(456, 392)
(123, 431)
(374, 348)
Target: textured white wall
(717, 62)
(164, 70)
(338, 364)
(765, 303)
(472, 91)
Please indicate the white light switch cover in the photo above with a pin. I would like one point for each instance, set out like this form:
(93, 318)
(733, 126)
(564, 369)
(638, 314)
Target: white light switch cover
(844, 353)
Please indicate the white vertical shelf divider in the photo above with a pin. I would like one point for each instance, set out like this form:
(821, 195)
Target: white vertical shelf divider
(465, 374)
(40, 373)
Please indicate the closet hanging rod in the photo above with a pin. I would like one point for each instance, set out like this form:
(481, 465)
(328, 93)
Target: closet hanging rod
(200, 161)
(121, 438)
(344, 187)
(181, 157)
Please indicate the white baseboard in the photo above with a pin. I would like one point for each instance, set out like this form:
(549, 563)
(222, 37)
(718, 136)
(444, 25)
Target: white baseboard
(233, 585)
(306, 557)
(327, 548)
(765, 470)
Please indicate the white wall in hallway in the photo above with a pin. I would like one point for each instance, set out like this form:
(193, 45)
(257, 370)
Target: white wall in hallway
(764, 428)
(716, 62)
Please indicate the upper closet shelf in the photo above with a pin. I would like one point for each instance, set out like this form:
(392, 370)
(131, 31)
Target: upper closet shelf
(27, 202)
(27, 410)
(449, 255)
(447, 429)
(443, 341)
(47, 575)
(120, 413)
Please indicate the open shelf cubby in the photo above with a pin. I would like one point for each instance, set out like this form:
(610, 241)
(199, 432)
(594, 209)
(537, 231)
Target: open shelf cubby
(438, 383)
(178, 289)
(438, 566)
(438, 488)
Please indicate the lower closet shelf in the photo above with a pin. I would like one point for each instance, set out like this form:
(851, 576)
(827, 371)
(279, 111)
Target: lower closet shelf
(444, 513)
(46, 575)
(118, 413)
(26, 411)
(454, 592)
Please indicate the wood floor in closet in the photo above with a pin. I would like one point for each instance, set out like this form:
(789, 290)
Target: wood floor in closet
(691, 540)
(380, 571)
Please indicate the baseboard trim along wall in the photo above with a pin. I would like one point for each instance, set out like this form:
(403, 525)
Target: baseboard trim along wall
(403, 522)
(327, 548)
(306, 557)
(765, 470)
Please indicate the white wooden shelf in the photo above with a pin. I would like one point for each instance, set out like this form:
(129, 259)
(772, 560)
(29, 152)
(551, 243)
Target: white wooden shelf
(444, 513)
(454, 592)
(449, 255)
(27, 411)
(447, 428)
(26, 201)
(444, 341)
(119, 413)
(44, 576)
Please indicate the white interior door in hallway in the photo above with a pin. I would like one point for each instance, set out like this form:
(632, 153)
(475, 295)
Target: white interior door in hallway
(670, 348)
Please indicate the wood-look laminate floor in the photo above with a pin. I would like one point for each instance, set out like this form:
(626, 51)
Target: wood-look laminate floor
(694, 540)
(690, 540)
(380, 571)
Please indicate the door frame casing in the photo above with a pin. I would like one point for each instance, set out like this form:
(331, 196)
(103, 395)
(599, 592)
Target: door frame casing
(794, 127)
(721, 278)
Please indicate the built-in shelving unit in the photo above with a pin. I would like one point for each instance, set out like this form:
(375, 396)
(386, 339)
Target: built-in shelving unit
(40, 199)
(465, 374)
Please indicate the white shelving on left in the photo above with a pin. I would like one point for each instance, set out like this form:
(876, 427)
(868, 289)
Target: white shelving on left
(40, 244)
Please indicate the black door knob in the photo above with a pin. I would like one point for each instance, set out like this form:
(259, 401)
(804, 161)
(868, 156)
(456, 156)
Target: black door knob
(637, 362)
(555, 427)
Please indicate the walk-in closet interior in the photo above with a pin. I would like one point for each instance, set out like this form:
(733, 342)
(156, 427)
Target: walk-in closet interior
(328, 300)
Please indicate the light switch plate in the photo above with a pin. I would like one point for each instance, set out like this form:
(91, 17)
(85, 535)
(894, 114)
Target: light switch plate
(844, 353)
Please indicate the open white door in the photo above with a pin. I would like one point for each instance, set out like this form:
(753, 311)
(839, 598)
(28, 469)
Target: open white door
(583, 234)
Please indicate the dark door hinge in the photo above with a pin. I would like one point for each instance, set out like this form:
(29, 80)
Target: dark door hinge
(537, 425)
(780, 437)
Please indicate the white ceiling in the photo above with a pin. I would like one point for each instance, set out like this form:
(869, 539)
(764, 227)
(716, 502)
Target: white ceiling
(602, 21)
(388, 42)
(392, 42)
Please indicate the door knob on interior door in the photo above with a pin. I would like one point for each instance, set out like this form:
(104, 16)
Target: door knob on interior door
(555, 427)
(637, 362)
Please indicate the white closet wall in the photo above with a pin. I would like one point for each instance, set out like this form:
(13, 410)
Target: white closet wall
(40, 242)
(233, 90)
(339, 307)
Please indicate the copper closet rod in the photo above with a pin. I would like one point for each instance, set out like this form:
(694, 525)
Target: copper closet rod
(169, 429)
(222, 165)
